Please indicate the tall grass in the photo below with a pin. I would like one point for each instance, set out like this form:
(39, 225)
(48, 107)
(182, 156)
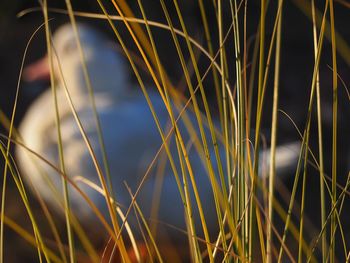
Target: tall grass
(241, 67)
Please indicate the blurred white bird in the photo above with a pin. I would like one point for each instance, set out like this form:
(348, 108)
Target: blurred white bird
(128, 127)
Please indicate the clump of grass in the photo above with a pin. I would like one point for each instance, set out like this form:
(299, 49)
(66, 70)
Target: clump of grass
(249, 228)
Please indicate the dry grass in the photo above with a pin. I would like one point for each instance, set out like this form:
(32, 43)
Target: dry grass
(257, 219)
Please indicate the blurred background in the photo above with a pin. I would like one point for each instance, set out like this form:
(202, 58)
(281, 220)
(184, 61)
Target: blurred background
(295, 81)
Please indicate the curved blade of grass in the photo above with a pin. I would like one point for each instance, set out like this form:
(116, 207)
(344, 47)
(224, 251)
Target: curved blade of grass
(114, 202)
(92, 100)
(58, 129)
(140, 21)
(95, 162)
(8, 145)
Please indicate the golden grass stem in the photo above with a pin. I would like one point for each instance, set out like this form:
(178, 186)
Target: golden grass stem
(334, 128)
(272, 172)
(252, 215)
(320, 140)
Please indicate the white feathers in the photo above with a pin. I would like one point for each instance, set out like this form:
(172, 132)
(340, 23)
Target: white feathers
(130, 134)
